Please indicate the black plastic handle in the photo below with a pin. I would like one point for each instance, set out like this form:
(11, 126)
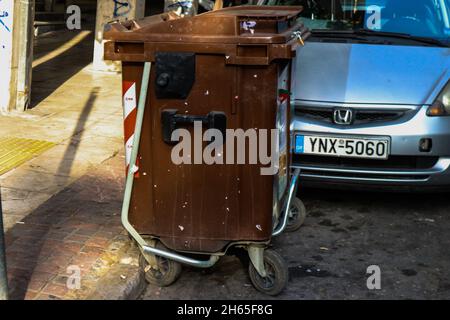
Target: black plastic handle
(171, 120)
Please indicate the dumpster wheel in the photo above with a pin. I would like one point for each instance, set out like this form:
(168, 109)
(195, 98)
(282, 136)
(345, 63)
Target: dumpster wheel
(297, 215)
(276, 274)
(164, 273)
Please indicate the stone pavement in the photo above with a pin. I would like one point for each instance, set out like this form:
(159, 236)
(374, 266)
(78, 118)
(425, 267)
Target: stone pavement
(79, 227)
(62, 208)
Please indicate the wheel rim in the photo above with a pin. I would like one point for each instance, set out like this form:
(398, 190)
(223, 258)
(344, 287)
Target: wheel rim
(162, 270)
(269, 281)
(293, 214)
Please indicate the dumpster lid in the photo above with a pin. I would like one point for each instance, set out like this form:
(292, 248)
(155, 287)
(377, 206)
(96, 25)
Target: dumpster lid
(238, 25)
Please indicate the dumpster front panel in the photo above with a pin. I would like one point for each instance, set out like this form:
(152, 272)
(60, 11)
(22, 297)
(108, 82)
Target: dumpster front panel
(199, 207)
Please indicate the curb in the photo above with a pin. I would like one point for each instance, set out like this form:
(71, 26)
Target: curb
(123, 281)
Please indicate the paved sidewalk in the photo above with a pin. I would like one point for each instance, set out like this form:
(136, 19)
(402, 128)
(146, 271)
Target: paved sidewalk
(77, 227)
(80, 112)
(62, 208)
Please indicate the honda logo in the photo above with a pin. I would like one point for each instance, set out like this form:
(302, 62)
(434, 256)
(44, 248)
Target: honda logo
(343, 116)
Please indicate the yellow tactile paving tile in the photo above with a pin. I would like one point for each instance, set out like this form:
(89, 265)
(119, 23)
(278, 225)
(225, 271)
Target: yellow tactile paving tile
(15, 151)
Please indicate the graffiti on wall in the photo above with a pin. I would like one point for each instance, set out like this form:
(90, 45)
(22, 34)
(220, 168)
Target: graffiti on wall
(5, 24)
(4, 14)
(121, 8)
(6, 28)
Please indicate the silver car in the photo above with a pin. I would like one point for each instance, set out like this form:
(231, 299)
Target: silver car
(371, 93)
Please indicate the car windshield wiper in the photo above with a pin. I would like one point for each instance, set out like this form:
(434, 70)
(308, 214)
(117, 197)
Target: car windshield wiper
(366, 32)
(346, 34)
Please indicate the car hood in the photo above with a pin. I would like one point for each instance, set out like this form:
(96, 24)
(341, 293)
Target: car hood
(367, 73)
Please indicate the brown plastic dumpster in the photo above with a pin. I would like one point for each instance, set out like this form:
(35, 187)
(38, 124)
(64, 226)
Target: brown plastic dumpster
(227, 69)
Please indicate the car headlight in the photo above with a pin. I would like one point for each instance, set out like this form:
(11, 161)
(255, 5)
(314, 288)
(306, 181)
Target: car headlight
(441, 107)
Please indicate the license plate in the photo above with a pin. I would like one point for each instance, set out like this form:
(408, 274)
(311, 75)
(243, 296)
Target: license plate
(353, 147)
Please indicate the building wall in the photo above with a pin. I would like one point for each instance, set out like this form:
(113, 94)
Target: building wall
(16, 23)
(6, 53)
(113, 10)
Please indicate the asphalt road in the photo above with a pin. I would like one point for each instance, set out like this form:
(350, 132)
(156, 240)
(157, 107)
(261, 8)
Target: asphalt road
(406, 235)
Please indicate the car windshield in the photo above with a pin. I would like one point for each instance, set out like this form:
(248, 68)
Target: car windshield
(418, 18)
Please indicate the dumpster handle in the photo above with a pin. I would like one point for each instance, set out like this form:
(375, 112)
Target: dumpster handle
(129, 187)
(292, 191)
(170, 119)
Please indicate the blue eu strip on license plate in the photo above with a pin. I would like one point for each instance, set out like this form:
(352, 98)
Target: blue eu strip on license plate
(299, 144)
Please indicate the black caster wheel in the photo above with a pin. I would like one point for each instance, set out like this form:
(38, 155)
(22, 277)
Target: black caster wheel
(277, 274)
(296, 215)
(165, 273)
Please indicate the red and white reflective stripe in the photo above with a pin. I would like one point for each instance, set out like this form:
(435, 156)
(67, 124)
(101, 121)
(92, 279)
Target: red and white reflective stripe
(129, 117)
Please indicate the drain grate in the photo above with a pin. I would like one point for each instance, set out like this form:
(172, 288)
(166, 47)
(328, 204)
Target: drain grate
(15, 151)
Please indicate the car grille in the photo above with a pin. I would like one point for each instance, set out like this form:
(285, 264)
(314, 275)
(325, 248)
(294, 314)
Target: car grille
(361, 115)
(392, 163)
(365, 176)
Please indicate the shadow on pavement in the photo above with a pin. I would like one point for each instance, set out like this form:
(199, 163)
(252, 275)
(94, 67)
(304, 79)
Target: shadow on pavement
(72, 147)
(73, 228)
(45, 242)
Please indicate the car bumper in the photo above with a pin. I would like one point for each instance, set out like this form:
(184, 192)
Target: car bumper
(427, 170)
(438, 175)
